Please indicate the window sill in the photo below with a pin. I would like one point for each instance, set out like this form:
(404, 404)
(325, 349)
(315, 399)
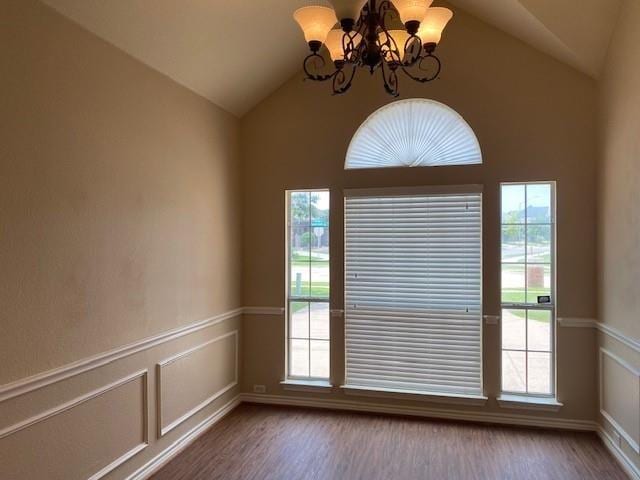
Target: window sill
(460, 399)
(524, 402)
(315, 386)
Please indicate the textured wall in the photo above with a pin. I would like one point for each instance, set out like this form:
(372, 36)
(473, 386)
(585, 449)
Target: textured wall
(119, 202)
(119, 221)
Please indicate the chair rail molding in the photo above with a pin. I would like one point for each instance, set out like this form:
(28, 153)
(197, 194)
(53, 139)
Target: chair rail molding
(577, 322)
(41, 380)
(573, 322)
(632, 343)
(263, 310)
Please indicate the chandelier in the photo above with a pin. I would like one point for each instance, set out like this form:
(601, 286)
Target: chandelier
(376, 35)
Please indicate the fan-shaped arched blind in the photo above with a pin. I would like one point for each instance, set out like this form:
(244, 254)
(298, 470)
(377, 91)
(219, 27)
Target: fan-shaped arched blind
(413, 133)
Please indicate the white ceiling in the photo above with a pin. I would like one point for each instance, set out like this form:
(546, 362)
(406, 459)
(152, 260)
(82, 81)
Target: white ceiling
(236, 53)
(576, 32)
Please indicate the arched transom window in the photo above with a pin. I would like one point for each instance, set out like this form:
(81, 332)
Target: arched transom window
(413, 133)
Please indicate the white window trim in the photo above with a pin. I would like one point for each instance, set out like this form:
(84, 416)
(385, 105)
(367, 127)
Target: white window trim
(295, 380)
(416, 190)
(529, 402)
(508, 399)
(314, 386)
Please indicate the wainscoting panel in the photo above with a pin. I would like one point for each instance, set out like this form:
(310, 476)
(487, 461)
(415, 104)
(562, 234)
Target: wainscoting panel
(620, 397)
(84, 438)
(97, 418)
(193, 379)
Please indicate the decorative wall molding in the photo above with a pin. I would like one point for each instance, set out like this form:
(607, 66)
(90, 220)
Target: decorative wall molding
(263, 310)
(118, 461)
(625, 462)
(161, 428)
(629, 341)
(484, 417)
(633, 443)
(183, 442)
(41, 417)
(574, 322)
(41, 380)
(74, 403)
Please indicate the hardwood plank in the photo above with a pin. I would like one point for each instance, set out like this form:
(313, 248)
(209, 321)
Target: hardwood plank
(265, 442)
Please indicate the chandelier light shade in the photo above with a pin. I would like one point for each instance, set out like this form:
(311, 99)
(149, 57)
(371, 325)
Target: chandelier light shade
(348, 9)
(400, 37)
(431, 28)
(376, 35)
(315, 22)
(412, 10)
(335, 46)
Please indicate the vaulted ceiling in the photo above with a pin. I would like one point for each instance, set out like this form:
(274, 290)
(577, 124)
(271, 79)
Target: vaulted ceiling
(237, 53)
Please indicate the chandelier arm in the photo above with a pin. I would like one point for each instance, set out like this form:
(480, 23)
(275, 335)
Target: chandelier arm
(427, 78)
(341, 82)
(390, 79)
(352, 52)
(389, 40)
(315, 58)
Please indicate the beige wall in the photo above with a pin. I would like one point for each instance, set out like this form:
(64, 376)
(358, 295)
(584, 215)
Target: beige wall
(619, 231)
(535, 119)
(619, 177)
(119, 220)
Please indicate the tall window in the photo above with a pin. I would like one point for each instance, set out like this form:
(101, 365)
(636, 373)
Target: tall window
(528, 288)
(308, 284)
(413, 305)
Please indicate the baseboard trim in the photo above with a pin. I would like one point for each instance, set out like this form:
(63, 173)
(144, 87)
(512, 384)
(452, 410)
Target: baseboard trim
(41, 380)
(625, 462)
(428, 412)
(183, 442)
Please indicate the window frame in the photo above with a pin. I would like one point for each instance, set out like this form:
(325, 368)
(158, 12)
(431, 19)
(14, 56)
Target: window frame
(289, 298)
(551, 307)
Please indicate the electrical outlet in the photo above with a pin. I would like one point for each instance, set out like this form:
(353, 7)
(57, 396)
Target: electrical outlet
(259, 389)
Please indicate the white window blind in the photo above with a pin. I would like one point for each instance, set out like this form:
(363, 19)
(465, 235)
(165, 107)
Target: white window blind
(413, 305)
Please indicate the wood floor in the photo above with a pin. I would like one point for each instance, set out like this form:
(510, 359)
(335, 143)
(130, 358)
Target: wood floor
(263, 442)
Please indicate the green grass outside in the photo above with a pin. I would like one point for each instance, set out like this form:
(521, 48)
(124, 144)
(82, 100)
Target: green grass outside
(305, 258)
(516, 295)
(318, 289)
